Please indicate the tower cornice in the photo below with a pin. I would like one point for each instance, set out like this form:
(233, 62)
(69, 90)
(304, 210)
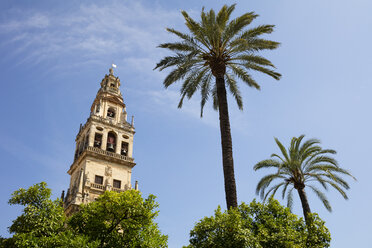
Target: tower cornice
(94, 152)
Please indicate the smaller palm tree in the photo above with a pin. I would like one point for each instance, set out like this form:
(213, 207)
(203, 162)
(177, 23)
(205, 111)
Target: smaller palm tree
(298, 168)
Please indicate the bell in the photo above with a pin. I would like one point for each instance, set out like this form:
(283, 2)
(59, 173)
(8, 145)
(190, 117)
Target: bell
(110, 146)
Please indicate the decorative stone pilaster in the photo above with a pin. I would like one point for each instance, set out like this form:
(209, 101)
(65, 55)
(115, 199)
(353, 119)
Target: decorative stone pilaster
(81, 181)
(104, 140)
(92, 134)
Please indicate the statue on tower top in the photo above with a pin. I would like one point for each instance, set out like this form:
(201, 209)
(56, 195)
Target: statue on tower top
(111, 70)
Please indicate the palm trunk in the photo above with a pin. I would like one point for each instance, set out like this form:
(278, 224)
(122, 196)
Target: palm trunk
(226, 142)
(305, 203)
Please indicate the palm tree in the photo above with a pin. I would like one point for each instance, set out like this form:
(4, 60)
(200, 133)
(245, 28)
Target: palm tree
(222, 49)
(298, 168)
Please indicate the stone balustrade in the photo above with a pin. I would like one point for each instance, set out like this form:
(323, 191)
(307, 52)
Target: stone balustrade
(97, 186)
(110, 154)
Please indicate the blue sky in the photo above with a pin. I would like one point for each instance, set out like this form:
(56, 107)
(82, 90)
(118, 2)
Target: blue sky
(55, 53)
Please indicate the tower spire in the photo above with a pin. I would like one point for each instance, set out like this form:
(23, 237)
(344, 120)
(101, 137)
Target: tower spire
(104, 147)
(111, 70)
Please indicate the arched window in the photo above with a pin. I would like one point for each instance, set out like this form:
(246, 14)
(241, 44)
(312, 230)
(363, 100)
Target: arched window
(97, 140)
(111, 112)
(86, 140)
(111, 142)
(98, 107)
(124, 148)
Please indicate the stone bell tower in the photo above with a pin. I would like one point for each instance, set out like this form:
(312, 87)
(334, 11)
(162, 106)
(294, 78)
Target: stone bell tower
(104, 146)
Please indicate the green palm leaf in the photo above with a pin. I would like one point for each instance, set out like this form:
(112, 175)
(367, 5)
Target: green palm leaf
(268, 163)
(234, 90)
(322, 197)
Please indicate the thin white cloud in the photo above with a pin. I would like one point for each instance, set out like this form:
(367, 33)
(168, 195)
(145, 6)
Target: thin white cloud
(90, 32)
(35, 20)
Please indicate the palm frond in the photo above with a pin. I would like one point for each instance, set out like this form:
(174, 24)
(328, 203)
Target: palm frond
(195, 81)
(210, 27)
(267, 163)
(252, 45)
(262, 44)
(191, 84)
(178, 59)
(195, 84)
(307, 144)
(313, 152)
(179, 47)
(234, 90)
(265, 182)
(290, 199)
(205, 91)
(251, 58)
(180, 103)
(196, 29)
(328, 168)
(274, 155)
(262, 69)
(215, 98)
(323, 159)
(322, 197)
(287, 183)
(341, 191)
(187, 38)
(291, 149)
(298, 142)
(224, 15)
(282, 149)
(244, 76)
(338, 179)
(257, 31)
(272, 191)
(189, 80)
(236, 25)
(175, 75)
(317, 177)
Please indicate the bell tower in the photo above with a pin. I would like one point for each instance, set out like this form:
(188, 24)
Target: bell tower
(104, 147)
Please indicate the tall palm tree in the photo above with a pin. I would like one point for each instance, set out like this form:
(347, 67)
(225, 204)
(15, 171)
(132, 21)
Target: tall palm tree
(221, 49)
(298, 168)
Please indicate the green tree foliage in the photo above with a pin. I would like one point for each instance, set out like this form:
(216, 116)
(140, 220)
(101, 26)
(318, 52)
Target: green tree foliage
(120, 220)
(42, 223)
(259, 225)
(63, 239)
(41, 216)
(225, 50)
(114, 220)
(298, 168)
